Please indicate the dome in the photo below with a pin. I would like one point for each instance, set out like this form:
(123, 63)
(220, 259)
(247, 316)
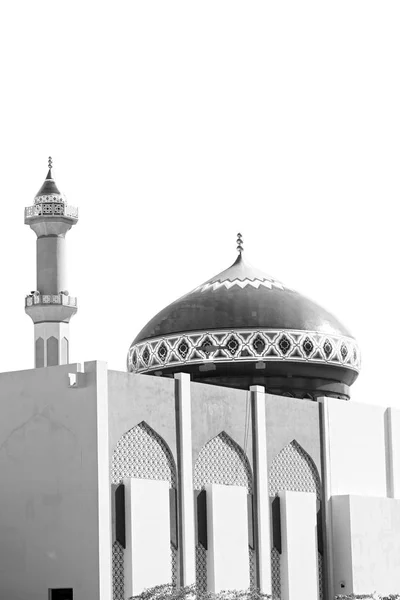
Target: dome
(243, 327)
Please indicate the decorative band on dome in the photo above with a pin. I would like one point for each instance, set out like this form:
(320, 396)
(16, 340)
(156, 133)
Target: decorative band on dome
(244, 345)
(267, 282)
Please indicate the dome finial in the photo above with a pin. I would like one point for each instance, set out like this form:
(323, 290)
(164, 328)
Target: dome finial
(239, 242)
(50, 165)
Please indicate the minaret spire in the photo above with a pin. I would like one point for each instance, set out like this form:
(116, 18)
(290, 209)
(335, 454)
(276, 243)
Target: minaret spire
(50, 165)
(50, 306)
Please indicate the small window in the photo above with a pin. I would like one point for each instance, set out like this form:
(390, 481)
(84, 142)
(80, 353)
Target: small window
(61, 594)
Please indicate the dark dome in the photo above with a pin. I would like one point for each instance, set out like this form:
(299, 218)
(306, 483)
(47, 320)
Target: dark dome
(49, 191)
(242, 320)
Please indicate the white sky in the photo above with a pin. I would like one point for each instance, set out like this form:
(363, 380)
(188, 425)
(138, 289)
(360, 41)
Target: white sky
(174, 125)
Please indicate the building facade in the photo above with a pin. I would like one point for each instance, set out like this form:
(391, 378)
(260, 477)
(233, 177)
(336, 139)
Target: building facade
(228, 455)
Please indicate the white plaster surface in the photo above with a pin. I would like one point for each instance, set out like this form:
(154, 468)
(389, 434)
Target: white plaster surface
(147, 557)
(46, 330)
(103, 476)
(299, 574)
(366, 534)
(393, 452)
(355, 439)
(342, 579)
(54, 503)
(227, 538)
(51, 266)
(263, 534)
(187, 533)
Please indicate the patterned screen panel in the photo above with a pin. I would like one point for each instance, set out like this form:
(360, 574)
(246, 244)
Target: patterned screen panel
(293, 470)
(220, 461)
(143, 454)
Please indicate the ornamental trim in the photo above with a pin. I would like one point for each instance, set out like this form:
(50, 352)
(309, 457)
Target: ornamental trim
(243, 345)
(269, 283)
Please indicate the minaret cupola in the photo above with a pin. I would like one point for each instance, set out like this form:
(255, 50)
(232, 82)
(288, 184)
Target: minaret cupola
(50, 306)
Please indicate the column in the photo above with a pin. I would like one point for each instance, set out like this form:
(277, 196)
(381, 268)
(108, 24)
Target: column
(327, 497)
(186, 530)
(261, 494)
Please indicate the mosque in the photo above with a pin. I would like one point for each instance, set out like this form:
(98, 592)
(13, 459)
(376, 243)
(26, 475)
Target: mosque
(229, 454)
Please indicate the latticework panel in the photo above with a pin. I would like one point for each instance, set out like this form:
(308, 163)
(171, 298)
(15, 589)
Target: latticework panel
(252, 565)
(220, 461)
(321, 576)
(118, 571)
(293, 470)
(201, 568)
(275, 574)
(141, 454)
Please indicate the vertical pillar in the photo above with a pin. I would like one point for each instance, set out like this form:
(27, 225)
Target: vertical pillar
(186, 530)
(299, 574)
(261, 494)
(392, 444)
(326, 496)
(103, 475)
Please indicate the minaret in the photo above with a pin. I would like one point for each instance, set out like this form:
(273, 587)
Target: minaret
(50, 306)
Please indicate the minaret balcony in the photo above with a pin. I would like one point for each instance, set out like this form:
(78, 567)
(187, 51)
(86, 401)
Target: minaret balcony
(50, 307)
(44, 299)
(51, 209)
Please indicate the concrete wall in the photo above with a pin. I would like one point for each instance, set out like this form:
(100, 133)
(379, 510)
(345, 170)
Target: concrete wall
(366, 544)
(137, 398)
(54, 492)
(392, 431)
(355, 451)
(342, 565)
(228, 538)
(147, 558)
(299, 578)
(216, 409)
(355, 445)
(291, 419)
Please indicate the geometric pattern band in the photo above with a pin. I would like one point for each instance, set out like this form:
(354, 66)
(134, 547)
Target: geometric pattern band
(244, 345)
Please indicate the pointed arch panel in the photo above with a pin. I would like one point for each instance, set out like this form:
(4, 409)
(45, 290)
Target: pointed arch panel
(222, 461)
(140, 453)
(294, 470)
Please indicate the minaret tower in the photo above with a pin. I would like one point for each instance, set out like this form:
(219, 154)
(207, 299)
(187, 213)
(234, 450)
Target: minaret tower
(50, 306)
